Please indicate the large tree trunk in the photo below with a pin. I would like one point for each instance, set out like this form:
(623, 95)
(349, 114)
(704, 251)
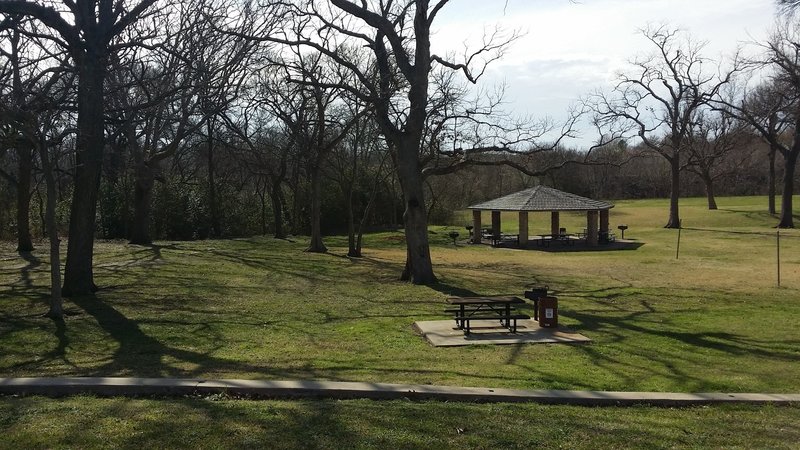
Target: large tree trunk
(771, 180)
(790, 160)
(24, 242)
(709, 184)
(142, 205)
(675, 185)
(419, 269)
(78, 276)
(56, 303)
(276, 197)
(24, 151)
(352, 250)
(316, 245)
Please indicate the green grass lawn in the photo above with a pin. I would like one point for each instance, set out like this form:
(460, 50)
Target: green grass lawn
(713, 320)
(86, 422)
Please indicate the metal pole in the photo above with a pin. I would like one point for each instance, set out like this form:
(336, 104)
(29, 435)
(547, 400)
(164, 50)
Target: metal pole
(678, 247)
(778, 241)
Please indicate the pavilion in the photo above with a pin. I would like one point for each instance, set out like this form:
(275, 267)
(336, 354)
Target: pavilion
(543, 199)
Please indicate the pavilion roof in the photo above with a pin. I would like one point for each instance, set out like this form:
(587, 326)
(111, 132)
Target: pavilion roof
(542, 198)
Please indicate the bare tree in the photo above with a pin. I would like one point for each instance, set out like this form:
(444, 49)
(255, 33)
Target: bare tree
(294, 89)
(15, 96)
(36, 120)
(156, 106)
(220, 63)
(659, 99)
(359, 165)
(766, 110)
(765, 105)
(788, 5)
(87, 30)
(394, 80)
(287, 103)
(712, 141)
(325, 125)
(51, 132)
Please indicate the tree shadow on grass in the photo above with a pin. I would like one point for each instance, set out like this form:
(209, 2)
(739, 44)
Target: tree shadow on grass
(725, 342)
(139, 353)
(451, 290)
(760, 215)
(60, 352)
(25, 272)
(21, 324)
(670, 352)
(155, 250)
(634, 336)
(23, 288)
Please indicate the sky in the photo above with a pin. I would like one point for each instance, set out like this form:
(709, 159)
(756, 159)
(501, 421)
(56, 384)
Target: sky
(570, 49)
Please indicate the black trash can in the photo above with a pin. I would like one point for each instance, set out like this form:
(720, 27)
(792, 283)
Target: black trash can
(548, 312)
(536, 293)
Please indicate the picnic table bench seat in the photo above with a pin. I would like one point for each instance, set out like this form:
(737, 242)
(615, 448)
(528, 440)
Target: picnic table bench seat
(507, 320)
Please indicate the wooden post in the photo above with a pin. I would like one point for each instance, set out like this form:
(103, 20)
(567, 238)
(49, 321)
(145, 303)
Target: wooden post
(554, 223)
(476, 226)
(591, 228)
(496, 224)
(778, 243)
(523, 228)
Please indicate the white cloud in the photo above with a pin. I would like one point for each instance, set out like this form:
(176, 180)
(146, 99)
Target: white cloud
(570, 49)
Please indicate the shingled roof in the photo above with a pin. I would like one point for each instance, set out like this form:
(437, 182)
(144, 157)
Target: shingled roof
(542, 198)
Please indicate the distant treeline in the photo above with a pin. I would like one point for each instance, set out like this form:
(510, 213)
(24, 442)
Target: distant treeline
(180, 208)
(616, 174)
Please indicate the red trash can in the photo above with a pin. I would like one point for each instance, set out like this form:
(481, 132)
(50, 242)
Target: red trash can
(535, 294)
(548, 312)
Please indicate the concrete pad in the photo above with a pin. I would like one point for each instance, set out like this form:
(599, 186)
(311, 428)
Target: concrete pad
(443, 333)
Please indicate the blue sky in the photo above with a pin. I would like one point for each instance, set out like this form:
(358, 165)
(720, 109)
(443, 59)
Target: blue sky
(572, 48)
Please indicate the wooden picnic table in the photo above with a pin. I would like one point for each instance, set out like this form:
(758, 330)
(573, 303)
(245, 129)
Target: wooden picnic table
(544, 240)
(603, 237)
(499, 238)
(502, 308)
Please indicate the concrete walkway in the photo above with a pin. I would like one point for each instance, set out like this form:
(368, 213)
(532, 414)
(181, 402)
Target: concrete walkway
(56, 387)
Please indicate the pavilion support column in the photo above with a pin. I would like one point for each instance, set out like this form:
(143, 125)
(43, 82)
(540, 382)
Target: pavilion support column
(496, 224)
(591, 228)
(523, 228)
(476, 226)
(604, 223)
(555, 223)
